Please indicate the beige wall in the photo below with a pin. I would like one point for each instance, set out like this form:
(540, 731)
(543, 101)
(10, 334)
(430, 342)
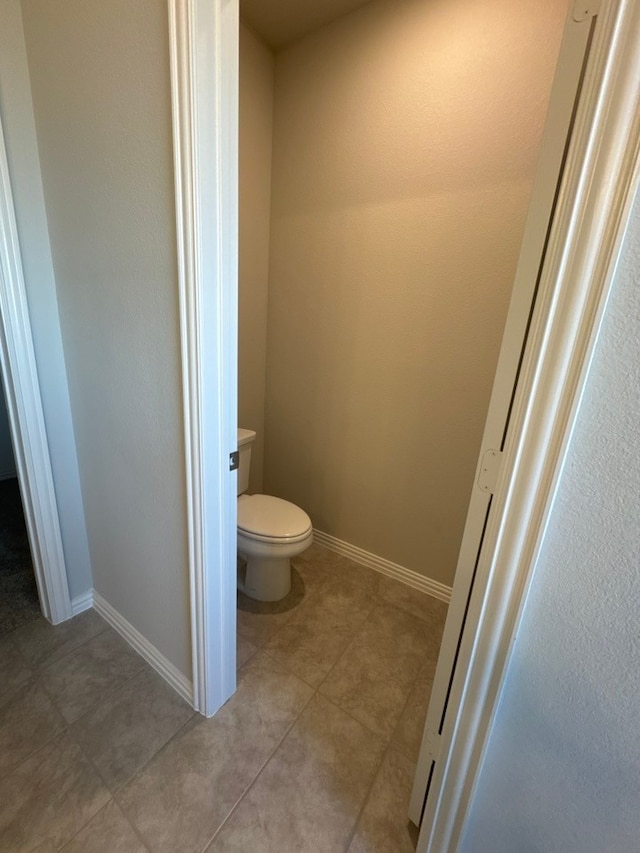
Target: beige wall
(405, 141)
(256, 127)
(100, 85)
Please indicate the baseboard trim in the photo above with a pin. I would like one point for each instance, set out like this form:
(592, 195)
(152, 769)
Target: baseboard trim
(385, 567)
(81, 603)
(180, 683)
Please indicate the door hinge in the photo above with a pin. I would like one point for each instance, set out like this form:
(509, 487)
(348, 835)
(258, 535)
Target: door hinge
(489, 470)
(584, 9)
(234, 460)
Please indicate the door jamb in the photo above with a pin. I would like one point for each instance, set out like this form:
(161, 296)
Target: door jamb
(26, 417)
(203, 39)
(602, 177)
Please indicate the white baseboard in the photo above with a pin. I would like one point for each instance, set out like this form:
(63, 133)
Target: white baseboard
(385, 567)
(81, 603)
(180, 683)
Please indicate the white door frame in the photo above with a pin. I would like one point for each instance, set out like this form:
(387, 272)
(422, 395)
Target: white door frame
(203, 37)
(602, 177)
(26, 418)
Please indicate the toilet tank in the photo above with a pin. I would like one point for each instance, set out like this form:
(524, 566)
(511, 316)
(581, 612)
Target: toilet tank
(245, 440)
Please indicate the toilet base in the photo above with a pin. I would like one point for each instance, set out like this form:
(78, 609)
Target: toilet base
(267, 578)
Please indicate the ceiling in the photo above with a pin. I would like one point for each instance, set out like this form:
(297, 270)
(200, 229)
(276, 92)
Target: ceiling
(281, 22)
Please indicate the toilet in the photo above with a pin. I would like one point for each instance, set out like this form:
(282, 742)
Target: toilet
(270, 532)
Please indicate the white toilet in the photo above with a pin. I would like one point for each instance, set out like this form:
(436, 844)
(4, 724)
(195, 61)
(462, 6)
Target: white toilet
(270, 532)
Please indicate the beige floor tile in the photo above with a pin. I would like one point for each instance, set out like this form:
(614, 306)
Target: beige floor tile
(323, 559)
(314, 554)
(424, 606)
(346, 600)
(258, 621)
(407, 736)
(308, 797)
(181, 797)
(373, 678)
(127, 729)
(315, 637)
(384, 826)
(26, 724)
(108, 832)
(244, 650)
(87, 675)
(313, 577)
(41, 643)
(14, 671)
(49, 798)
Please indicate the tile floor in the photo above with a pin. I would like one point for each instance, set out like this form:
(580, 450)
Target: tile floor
(314, 752)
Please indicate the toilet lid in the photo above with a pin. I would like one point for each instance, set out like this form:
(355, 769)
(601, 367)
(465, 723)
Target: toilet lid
(266, 517)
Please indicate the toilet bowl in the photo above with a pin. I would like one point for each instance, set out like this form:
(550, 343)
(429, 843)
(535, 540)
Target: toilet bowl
(270, 532)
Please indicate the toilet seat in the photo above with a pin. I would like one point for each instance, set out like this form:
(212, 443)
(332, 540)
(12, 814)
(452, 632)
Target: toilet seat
(265, 518)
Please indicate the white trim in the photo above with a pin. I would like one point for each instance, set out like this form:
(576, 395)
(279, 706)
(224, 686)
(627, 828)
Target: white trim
(385, 567)
(82, 602)
(26, 418)
(203, 46)
(144, 648)
(601, 179)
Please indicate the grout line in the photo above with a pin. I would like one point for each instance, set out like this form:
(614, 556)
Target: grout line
(98, 701)
(42, 667)
(258, 774)
(105, 806)
(116, 794)
(100, 810)
(143, 767)
(32, 754)
(309, 597)
(84, 825)
(386, 741)
(20, 652)
(36, 679)
(114, 791)
(351, 642)
(404, 708)
(365, 800)
(134, 828)
(348, 644)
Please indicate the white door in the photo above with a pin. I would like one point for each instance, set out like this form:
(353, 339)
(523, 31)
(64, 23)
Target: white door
(564, 97)
(21, 387)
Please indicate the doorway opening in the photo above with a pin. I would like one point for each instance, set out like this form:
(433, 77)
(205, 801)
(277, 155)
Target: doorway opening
(324, 348)
(19, 601)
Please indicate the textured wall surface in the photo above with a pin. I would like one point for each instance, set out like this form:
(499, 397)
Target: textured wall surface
(100, 85)
(405, 142)
(24, 168)
(562, 769)
(256, 129)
